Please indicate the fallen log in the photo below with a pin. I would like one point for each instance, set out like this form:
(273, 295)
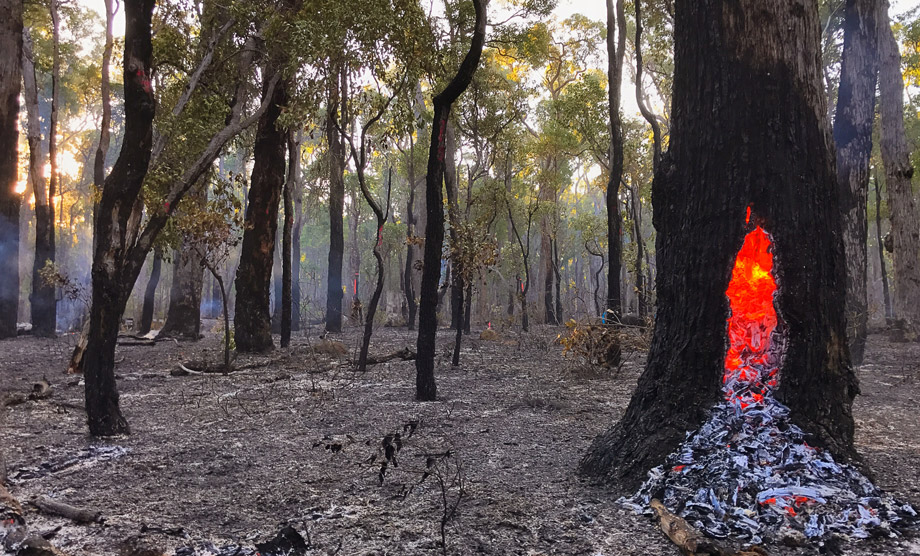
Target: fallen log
(405, 354)
(690, 540)
(15, 537)
(73, 513)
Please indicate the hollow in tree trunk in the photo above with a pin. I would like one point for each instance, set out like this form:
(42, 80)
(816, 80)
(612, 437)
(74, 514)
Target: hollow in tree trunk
(764, 55)
(853, 136)
(425, 387)
(10, 199)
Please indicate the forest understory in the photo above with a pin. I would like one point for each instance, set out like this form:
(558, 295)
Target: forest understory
(295, 437)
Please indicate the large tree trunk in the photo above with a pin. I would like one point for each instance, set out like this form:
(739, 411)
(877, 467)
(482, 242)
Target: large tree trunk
(111, 285)
(853, 137)
(764, 56)
(615, 53)
(905, 212)
(183, 317)
(150, 294)
(336, 151)
(425, 387)
(10, 199)
(252, 319)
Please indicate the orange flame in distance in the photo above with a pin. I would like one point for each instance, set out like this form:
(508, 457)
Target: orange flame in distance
(749, 370)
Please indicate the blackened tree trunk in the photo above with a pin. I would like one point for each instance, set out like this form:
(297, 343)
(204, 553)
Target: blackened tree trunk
(183, 316)
(111, 287)
(451, 187)
(102, 149)
(10, 199)
(336, 148)
(616, 18)
(905, 212)
(881, 249)
(36, 164)
(853, 136)
(764, 56)
(252, 318)
(409, 271)
(286, 276)
(44, 304)
(425, 388)
(150, 293)
(295, 246)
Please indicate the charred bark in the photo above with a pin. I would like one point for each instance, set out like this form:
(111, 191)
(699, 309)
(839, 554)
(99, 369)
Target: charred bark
(336, 147)
(10, 199)
(425, 387)
(853, 136)
(286, 301)
(408, 272)
(616, 18)
(769, 93)
(252, 320)
(111, 285)
(881, 249)
(905, 212)
(150, 294)
(102, 149)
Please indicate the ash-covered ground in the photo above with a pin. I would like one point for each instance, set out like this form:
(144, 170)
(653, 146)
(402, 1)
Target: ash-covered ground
(295, 438)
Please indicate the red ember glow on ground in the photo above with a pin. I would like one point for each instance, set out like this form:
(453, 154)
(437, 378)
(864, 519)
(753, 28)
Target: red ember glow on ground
(749, 371)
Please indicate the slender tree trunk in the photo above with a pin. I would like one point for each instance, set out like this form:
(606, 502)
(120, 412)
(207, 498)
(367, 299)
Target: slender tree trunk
(647, 113)
(905, 212)
(10, 200)
(853, 136)
(277, 276)
(252, 315)
(295, 246)
(425, 387)
(453, 214)
(616, 19)
(640, 248)
(336, 205)
(223, 298)
(764, 55)
(111, 287)
(102, 149)
(408, 273)
(34, 138)
(44, 304)
(286, 275)
(881, 249)
(150, 294)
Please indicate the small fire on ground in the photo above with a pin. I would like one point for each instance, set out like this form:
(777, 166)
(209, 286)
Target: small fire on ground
(748, 473)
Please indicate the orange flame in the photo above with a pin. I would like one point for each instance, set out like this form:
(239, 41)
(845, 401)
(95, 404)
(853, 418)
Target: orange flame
(752, 321)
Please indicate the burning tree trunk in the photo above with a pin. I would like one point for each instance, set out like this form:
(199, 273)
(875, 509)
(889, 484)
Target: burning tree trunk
(10, 198)
(336, 205)
(150, 293)
(853, 137)
(905, 212)
(616, 18)
(425, 388)
(252, 320)
(770, 94)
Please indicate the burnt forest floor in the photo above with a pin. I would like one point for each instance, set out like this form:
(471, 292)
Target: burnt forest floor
(292, 439)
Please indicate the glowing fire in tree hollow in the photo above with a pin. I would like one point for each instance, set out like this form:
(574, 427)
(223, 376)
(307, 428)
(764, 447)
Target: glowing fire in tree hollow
(750, 366)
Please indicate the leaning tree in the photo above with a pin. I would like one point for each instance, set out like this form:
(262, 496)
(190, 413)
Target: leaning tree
(749, 130)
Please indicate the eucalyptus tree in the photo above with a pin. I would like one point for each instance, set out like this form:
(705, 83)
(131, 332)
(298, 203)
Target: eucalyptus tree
(616, 20)
(124, 235)
(10, 197)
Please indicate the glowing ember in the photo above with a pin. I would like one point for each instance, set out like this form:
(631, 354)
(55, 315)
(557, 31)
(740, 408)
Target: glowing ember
(750, 366)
